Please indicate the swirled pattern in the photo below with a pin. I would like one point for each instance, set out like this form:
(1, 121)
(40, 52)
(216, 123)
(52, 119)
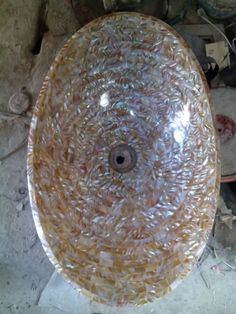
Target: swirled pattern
(124, 79)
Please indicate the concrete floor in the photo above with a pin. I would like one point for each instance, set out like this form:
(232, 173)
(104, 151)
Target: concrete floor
(28, 283)
(205, 291)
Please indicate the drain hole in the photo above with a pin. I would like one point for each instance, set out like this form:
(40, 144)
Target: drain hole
(219, 130)
(120, 160)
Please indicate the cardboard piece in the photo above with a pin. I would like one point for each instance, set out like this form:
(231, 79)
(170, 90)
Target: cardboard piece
(220, 52)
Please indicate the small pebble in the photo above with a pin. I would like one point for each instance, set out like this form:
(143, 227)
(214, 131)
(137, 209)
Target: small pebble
(20, 206)
(19, 102)
(22, 190)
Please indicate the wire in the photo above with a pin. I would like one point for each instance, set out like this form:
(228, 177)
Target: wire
(21, 145)
(202, 14)
(230, 25)
(233, 43)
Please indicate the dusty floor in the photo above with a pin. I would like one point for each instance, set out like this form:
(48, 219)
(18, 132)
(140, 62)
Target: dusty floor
(25, 272)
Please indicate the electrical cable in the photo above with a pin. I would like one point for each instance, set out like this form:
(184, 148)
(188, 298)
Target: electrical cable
(202, 14)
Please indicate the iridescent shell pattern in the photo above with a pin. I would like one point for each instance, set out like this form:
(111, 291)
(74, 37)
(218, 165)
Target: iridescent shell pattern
(123, 166)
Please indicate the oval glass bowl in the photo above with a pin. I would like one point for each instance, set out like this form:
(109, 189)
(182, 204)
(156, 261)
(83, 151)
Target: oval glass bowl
(123, 166)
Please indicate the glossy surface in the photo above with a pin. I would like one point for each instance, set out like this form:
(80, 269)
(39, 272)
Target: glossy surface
(125, 79)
